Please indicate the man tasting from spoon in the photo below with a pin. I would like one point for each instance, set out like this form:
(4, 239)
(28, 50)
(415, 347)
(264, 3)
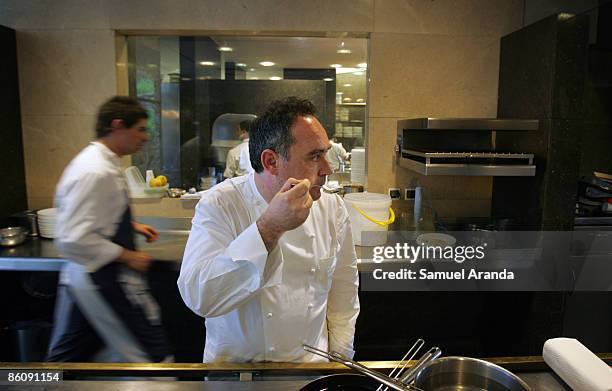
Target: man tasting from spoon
(270, 261)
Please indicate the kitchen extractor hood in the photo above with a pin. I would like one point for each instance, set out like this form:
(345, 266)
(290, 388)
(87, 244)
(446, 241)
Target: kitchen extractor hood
(462, 146)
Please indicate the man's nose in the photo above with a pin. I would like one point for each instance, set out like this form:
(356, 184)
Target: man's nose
(325, 167)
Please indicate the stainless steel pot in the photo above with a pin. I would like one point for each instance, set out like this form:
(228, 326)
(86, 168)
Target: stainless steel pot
(467, 374)
(12, 236)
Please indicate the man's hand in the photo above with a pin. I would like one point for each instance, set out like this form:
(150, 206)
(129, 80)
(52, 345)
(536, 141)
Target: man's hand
(288, 210)
(137, 260)
(146, 230)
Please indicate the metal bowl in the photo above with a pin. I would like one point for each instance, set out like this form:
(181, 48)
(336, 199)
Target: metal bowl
(13, 236)
(467, 374)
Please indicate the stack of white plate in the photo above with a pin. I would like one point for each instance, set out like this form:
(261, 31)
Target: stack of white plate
(358, 170)
(46, 222)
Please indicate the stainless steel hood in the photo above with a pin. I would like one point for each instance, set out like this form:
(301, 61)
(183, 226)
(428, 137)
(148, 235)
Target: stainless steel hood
(469, 124)
(461, 146)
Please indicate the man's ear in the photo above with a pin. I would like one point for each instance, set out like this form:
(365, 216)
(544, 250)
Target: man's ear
(117, 124)
(269, 161)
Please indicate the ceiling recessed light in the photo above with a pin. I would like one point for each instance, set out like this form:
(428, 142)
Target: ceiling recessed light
(253, 78)
(336, 66)
(267, 63)
(343, 51)
(275, 78)
(328, 79)
(362, 65)
(225, 49)
(347, 85)
(359, 73)
(207, 63)
(251, 69)
(241, 64)
(339, 93)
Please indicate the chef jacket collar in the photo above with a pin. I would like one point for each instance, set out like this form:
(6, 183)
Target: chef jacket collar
(112, 156)
(256, 194)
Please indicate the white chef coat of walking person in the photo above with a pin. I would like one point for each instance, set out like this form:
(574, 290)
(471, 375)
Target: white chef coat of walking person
(238, 161)
(270, 260)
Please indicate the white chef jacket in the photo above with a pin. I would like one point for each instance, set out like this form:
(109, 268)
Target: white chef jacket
(91, 198)
(335, 155)
(260, 306)
(238, 161)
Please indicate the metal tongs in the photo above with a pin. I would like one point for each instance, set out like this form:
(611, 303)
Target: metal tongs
(342, 359)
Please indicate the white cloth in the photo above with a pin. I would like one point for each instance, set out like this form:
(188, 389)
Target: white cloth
(260, 306)
(336, 155)
(91, 198)
(238, 161)
(576, 365)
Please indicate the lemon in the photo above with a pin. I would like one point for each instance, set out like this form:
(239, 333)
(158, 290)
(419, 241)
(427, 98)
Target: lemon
(155, 182)
(163, 180)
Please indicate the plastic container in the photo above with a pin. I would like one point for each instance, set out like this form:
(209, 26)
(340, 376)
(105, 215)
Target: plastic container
(370, 215)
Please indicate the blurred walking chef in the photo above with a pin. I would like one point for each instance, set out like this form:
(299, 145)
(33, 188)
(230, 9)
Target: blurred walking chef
(104, 303)
(270, 260)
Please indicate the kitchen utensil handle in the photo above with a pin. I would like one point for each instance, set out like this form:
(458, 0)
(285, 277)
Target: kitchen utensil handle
(337, 357)
(430, 355)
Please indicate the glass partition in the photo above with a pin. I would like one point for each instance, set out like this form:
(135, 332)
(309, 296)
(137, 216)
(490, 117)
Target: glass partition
(199, 89)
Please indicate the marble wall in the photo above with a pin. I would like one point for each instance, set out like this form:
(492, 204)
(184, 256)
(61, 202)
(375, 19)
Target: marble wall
(427, 58)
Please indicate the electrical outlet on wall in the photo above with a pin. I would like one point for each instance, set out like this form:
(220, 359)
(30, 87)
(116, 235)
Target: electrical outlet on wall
(395, 193)
(409, 193)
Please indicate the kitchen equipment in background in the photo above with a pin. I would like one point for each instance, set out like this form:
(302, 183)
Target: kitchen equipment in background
(461, 146)
(176, 192)
(12, 236)
(370, 215)
(27, 219)
(46, 222)
(209, 181)
(358, 166)
(138, 187)
(32, 223)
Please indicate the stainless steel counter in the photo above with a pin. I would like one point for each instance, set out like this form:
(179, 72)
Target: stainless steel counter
(40, 254)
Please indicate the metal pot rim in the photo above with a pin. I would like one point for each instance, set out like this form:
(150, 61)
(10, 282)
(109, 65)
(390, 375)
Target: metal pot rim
(476, 361)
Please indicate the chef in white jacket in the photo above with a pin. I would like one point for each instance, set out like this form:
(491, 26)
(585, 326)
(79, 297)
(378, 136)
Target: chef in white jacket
(238, 161)
(270, 260)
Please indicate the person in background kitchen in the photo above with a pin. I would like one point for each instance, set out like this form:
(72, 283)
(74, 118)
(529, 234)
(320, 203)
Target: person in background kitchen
(238, 161)
(270, 260)
(337, 155)
(104, 303)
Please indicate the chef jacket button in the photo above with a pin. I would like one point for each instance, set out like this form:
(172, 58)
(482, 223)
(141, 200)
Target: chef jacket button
(271, 348)
(313, 270)
(310, 305)
(269, 314)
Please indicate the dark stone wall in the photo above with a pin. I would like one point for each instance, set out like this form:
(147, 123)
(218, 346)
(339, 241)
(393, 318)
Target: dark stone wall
(13, 195)
(542, 76)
